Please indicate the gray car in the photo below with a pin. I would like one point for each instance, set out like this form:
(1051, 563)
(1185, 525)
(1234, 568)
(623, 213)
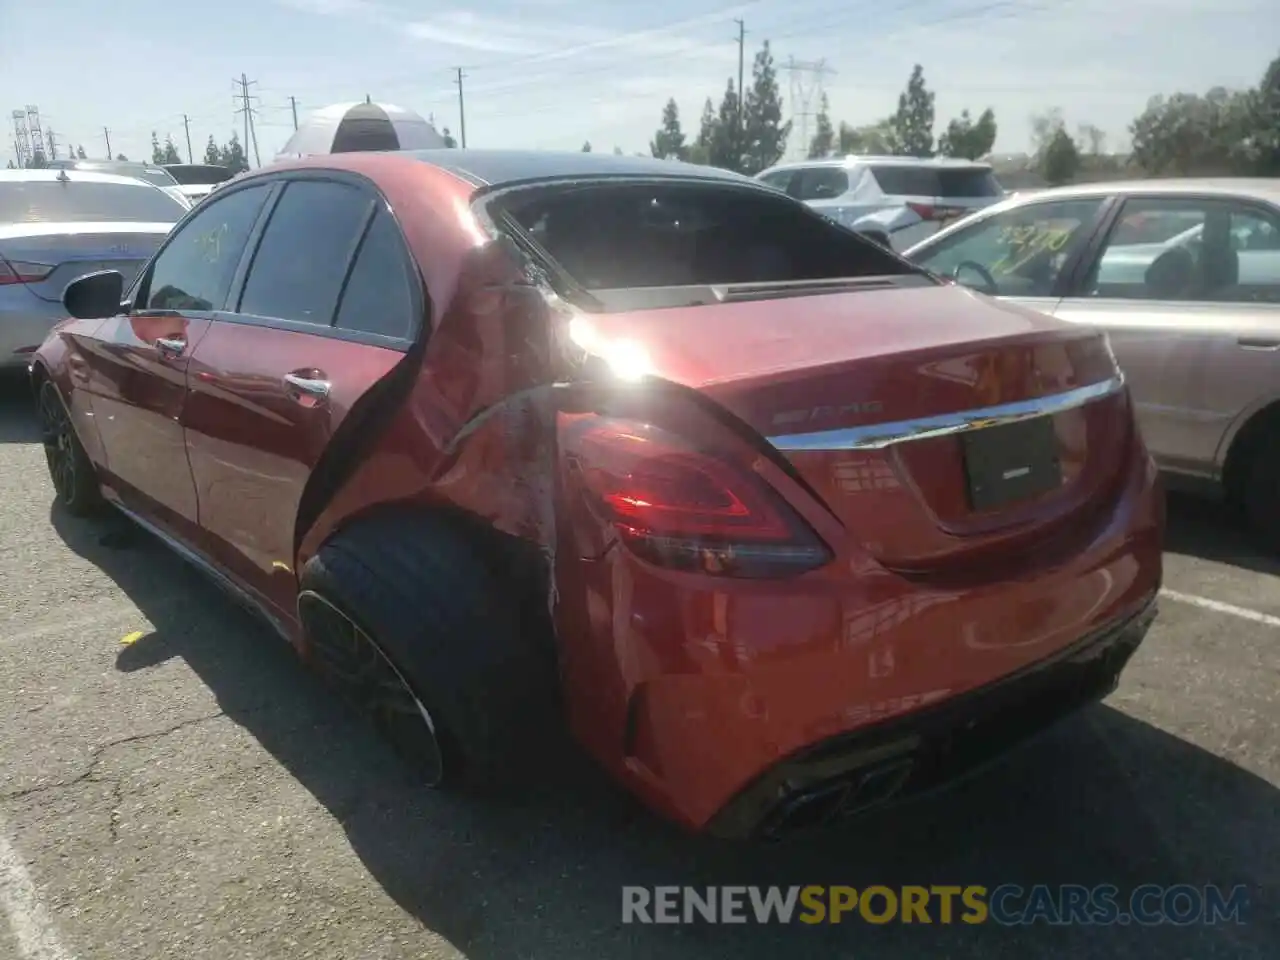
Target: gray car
(1184, 276)
(57, 225)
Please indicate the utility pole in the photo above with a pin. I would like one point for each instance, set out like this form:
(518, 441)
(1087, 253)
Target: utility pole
(742, 62)
(462, 109)
(186, 125)
(293, 105)
(250, 132)
(106, 135)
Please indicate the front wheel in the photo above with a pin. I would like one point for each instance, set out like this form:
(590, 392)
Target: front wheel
(74, 479)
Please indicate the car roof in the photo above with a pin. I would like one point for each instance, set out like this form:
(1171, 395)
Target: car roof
(877, 160)
(493, 168)
(1257, 187)
(73, 176)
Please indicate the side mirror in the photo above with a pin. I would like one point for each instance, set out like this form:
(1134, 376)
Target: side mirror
(95, 295)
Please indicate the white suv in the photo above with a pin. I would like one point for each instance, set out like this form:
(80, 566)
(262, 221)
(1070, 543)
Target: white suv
(899, 201)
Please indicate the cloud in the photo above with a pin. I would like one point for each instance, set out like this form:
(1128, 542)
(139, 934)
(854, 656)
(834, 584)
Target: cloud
(331, 8)
(471, 32)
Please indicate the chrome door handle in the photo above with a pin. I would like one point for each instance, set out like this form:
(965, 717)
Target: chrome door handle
(311, 387)
(170, 347)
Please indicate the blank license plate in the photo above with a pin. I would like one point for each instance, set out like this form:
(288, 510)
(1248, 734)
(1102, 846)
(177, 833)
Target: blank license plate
(1011, 463)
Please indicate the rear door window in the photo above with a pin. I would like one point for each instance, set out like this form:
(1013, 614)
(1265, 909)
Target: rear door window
(378, 297)
(54, 201)
(195, 269)
(301, 261)
(964, 183)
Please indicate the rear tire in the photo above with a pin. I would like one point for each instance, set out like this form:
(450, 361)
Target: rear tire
(75, 480)
(463, 648)
(1260, 493)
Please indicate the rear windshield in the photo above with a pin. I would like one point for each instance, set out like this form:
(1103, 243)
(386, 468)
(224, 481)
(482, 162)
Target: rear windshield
(51, 201)
(967, 183)
(199, 175)
(611, 237)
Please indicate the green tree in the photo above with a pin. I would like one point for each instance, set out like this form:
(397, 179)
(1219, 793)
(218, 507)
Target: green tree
(1191, 135)
(1267, 121)
(967, 138)
(38, 161)
(212, 153)
(80, 154)
(700, 150)
(913, 121)
(122, 158)
(157, 151)
(617, 151)
(824, 135)
(448, 137)
(586, 146)
(10, 165)
(232, 155)
(765, 134)
(875, 138)
(171, 154)
(1060, 160)
(668, 143)
(726, 137)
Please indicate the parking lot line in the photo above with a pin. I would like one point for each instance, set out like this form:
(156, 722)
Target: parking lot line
(32, 928)
(1217, 606)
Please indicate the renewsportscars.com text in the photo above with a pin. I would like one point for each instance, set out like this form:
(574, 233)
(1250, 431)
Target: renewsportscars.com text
(1006, 905)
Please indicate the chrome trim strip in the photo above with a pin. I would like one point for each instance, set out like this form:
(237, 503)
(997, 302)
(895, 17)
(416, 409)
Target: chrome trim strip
(877, 436)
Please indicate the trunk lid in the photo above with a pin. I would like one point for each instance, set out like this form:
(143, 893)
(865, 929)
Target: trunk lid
(824, 377)
(75, 249)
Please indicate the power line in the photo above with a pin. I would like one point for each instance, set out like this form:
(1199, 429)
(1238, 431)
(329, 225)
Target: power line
(806, 80)
(742, 49)
(462, 110)
(248, 109)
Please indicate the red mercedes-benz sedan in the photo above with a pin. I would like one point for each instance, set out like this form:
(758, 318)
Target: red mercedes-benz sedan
(779, 525)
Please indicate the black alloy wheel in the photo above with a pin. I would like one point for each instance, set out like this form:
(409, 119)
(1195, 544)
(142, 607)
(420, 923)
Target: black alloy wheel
(348, 657)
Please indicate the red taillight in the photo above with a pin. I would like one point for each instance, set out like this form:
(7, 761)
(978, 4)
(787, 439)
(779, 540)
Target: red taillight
(921, 210)
(19, 271)
(681, 507)
(929, 212)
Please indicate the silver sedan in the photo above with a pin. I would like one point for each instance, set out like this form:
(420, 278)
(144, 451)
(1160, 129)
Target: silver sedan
(1184, 276)
(57, 225)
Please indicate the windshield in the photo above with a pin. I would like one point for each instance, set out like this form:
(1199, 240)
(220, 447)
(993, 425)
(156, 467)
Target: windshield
(608, 237)
(966, 183)
(53, 201)
(199, 174)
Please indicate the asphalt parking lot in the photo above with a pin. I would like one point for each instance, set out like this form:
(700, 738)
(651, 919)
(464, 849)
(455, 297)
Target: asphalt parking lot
(195, 794)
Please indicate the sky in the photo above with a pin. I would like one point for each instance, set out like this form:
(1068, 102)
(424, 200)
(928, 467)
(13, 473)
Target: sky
(549, 74)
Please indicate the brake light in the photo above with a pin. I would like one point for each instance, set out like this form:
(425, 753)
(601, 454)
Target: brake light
(921, 210)
(680, 507)
(929, 212)
(20, 271)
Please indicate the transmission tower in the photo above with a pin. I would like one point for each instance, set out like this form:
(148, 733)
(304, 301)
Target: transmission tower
(806, 77)
(21, 138)
(34, 131)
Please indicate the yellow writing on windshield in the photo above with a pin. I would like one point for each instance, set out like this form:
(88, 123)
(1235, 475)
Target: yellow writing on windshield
(1025, 242)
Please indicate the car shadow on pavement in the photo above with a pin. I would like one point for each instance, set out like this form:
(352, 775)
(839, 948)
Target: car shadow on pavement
(1212, 530)
(1102, 799)
(18, 420)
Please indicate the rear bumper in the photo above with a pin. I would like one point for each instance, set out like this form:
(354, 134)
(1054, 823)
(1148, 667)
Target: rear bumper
(853, 773)
(717, 701)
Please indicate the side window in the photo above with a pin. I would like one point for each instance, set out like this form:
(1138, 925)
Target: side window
(1016, 253)
(1190, 249)
(306, 247)
(195, 270)
(820, 183)
(378, 298)
(779, 179)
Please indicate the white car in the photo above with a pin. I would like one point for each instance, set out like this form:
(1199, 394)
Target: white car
(151, 173)
(198, 180)
(899, 201)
